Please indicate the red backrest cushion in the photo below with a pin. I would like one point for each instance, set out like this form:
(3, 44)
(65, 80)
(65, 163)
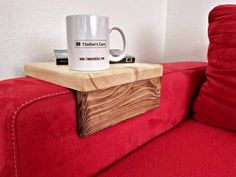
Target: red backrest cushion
(216, 103)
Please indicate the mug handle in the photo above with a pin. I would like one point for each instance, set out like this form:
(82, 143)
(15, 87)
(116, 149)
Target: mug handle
(122, 55)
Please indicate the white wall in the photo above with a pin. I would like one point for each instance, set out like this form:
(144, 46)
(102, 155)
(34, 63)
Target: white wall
(171, 29)
(31, 29)
(186, 29)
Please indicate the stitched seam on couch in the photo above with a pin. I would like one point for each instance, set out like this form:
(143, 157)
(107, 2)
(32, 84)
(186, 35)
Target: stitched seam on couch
(13, 123)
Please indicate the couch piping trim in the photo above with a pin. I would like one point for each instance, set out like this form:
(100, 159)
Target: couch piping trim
(13, 123)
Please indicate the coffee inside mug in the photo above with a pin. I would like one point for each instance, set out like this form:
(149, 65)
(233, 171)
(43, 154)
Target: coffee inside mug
(88, 42)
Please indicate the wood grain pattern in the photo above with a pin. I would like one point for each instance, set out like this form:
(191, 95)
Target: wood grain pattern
(103, 108)
(118, 74)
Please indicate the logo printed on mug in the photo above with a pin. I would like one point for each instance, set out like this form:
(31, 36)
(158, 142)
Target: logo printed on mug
(88, 42)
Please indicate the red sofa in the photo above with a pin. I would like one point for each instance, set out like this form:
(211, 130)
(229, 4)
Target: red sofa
(38, 135)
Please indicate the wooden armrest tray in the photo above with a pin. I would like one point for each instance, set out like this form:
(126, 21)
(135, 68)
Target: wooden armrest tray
(106, 97)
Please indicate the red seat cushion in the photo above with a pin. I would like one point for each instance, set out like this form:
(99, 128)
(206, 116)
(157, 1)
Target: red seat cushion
(216, 103)
(191, 150)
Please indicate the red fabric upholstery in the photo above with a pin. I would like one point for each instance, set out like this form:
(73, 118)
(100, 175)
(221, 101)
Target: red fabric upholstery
(216, 104)
(191, 150)
(38, 126)
(17, 95)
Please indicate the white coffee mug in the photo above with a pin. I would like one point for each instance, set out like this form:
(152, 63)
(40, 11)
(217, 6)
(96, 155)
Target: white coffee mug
(88, 42)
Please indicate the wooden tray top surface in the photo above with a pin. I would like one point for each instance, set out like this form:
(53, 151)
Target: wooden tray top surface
(118, 74)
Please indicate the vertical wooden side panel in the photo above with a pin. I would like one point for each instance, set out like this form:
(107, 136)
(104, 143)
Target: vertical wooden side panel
(100, 109)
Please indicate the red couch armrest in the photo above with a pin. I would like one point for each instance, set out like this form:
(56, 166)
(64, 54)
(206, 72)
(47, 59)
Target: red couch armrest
(38, 126)
(16, 97)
